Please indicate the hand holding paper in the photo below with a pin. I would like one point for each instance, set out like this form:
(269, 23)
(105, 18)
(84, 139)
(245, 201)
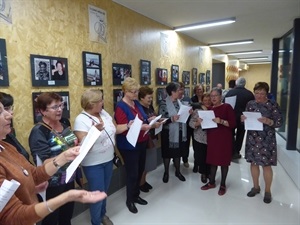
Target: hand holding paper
(207, 117)
(251, 122)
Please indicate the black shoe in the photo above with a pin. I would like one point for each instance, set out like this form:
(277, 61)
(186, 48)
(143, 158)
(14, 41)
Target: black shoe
(140, 201)
(148, 185)
(144, 188)
(166, 178)
(131, 207)
(203, 178)
(180, 176)
(236, 156)
(195, 169)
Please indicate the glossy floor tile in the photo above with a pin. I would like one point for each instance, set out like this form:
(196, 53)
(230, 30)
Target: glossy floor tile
(180, 202)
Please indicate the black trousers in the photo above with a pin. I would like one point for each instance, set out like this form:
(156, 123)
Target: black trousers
(200, 152)
(186, 149)
(134, 163)
(238, 138)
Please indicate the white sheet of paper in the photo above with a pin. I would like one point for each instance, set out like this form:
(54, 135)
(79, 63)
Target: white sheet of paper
(86, 145)
(134, 131)
(251, 123)
(159, 129)
(184, 113)
(207, 116)
(231, 101)
(153, 122)
(7, 189)
(39, 163)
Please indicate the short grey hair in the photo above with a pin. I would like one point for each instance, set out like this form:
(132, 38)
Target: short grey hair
(240, 82)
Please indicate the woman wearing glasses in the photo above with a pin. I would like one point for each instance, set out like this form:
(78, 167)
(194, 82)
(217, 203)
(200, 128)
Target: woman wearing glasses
(48, 139)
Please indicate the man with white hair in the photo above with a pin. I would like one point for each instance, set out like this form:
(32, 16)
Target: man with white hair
(243, 96)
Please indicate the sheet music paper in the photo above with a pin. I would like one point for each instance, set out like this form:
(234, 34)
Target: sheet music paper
(231, 101)
(134, 131)
(184, 113)
(39, 163)
(7, 189)
(251, 122)
(159, 129)
(207, 116)
(153, 122)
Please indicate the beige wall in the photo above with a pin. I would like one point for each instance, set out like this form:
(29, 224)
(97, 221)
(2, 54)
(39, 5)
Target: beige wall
(256, 73)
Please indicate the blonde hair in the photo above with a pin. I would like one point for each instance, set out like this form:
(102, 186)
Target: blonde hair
(130, 84)
(89, 97)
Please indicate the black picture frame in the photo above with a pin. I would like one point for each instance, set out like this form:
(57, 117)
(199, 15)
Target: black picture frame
(194, 76)
(118, 95)
(208, 77)
(202, 78)
(145, 70)
(187, 92)
(37, 116)
(161, 94)
(186, 77)
(207, 88)
(44, 71)
(161, 76)
(4, 82)
(92, 68)
(120, 72)
(174, 73)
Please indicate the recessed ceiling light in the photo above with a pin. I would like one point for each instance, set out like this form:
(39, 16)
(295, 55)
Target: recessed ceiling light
(245, 52)
(241, 42)
(252, 63)
(253, 58)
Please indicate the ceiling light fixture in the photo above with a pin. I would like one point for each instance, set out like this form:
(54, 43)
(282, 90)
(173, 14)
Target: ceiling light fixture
(205, 24)
(252, 63)
(254, 58)
(245, 52)
(241, 42)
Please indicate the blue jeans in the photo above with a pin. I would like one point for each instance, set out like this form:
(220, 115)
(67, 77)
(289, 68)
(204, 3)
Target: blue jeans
(98, 177)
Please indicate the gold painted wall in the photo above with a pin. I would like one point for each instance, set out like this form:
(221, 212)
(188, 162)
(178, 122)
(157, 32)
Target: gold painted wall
(256, 73)
(59, 28)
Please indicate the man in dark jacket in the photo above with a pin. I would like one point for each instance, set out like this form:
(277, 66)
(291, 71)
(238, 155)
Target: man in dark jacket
(243, 96)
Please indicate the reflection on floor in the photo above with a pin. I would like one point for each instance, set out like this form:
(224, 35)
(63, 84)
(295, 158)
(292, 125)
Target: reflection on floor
(180, 202)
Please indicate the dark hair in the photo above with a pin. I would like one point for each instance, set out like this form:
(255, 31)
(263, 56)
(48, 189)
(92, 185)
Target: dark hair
(59, 62)
(181, 84)
(145, 90)
(46, 98)
(261, 86)
(42, 63)
(231, 83)
(172, 86)
(6, 99)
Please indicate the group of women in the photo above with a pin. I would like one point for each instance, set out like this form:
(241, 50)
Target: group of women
(57, 144)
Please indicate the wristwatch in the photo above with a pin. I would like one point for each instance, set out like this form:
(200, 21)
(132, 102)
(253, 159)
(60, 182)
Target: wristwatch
(55, 163)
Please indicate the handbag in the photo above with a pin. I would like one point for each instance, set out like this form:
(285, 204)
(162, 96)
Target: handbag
(117, 160)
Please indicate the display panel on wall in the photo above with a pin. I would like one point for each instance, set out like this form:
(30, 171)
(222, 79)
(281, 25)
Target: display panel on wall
(194, 76)
(187, 92)
(3, 64)
(120, 73)
(202, 78)
(145, 67)
(118, 95)
(92, 69)
(161, 76)
(186, 77)
(49, 71)
(161, 94)
(175, 73)
(207, 77)
(37, 116)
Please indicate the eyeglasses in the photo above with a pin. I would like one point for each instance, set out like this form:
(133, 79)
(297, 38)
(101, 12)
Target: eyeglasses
(134, 92)
(9, 108)
(214, 96)
(56, 107)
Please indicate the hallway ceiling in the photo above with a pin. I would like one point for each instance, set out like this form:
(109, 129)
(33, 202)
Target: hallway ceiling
(261, 20)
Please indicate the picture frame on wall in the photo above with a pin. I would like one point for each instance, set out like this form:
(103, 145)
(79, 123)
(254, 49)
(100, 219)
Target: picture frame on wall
(161, 76)
(174, 73)
(37, 116)
(92, 69)
(3, 64)
(207, 88)
(161, 94)
(202, 78)
(187, 92)
(145, 69)
(49, 71)
(118, 95)
(186, 77)
(194, 76)
(120, 73)
(208, 77)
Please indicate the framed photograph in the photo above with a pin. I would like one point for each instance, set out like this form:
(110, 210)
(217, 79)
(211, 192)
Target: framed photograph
(186, 77)
(37, 116)
(174, 73)
(187, 92)
(207, 89)
(202, 78)
(145, 67)
(194, 76)
(208, 77)
(3, 64)
(92, 69)
(161, 94)
(118, 95)
(120, 73)
(161, 76)
(49, 71)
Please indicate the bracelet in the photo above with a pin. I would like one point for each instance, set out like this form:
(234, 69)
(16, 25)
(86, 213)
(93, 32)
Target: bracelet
(49, 209)
(55, 163)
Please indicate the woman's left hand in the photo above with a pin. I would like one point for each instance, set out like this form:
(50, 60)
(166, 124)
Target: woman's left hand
(41, 187)
(71, 153)
(217, 120)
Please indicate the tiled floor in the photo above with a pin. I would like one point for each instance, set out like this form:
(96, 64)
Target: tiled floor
(184, 203)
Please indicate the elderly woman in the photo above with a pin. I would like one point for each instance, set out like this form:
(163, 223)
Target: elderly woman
(219, 140)
(97, 164)
(198, 93)
(23, 207)
(174, 134)
(134, 156)
(261, 147)
(47, 139)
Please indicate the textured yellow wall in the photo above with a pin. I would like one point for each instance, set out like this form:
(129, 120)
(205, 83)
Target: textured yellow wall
(256, 73)
(59, 28)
